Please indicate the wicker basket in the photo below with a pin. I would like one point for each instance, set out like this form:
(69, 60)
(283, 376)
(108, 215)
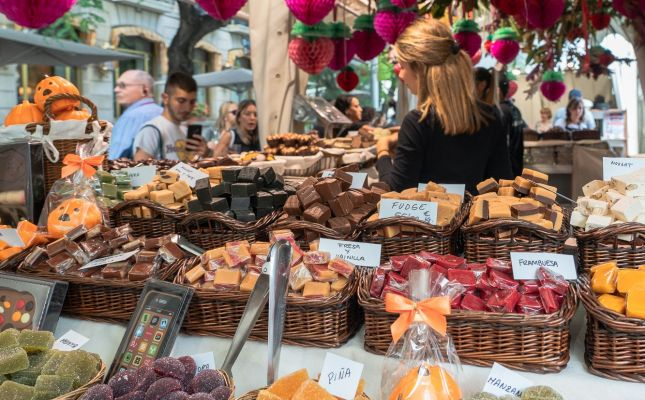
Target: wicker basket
(532, 343)
(73, 395)
(432, 238)
(331, 159)
(53, 170)
(301, 165)
(102, 300)
(328, 322)
(210, 229)
(497, 238)
(163, 222)
(601, 245)
(299, 226)
(11, 263)
(254, 395)
(614, 343)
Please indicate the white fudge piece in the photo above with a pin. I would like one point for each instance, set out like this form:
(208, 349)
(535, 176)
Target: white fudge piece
(632, 185)
(593, 187)
(601, 193)
(597, 207)
(598, 221)
(613, 196)
(627, 209)
(578, 219)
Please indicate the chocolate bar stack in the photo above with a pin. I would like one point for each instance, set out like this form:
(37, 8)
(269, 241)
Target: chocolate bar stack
(80, 246)
(245, 194)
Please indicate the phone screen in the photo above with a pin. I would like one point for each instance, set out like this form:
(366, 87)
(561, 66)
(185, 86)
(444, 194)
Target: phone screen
(147, 340)
(194, 130)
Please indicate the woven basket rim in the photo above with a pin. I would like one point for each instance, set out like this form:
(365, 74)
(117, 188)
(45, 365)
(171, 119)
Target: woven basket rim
(625, 228)
(324, 231)
(562, 317)
(166, 212)
(613, 320)
(81, 390)
(339, 298)
(229, 222)
(509, 223)
(46, 124)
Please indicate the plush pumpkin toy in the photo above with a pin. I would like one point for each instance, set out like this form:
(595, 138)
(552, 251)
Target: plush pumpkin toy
(426, 382)
(82, 114)
(72, 213)
(53, 85)
(24, 113)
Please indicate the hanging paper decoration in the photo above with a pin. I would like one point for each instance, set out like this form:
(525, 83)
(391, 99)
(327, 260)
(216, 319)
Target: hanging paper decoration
(221, 9)
(311, 50)
(404, 3)
(512, 84)
(508, 7)
(553, 86)
(390, 21)
(344, 47)
(310, 12)
(600, 20)
(629, 8)
(543, 14)
(367, 42)
(522, 21)
(467, 35)
(477, 57)
(35, 14)
(397, 70)
(488, 43)
(347, 79)
(505, 46)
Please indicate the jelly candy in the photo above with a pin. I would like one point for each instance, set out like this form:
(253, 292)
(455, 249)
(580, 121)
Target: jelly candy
(200, 396)
(221, 393)
(123, 382)
(98, 392)
(13, 359)
(206, 381)
(15, 391)
(38, 360)
(169, 367)
(540, 393)
(190, 367)
(162, 388)
(53, 362)
(33, 341)
(53, 386)
(177, 396)
(9, 338)
(135, 396)
(25, 377)
(146, 376)
(80, 365)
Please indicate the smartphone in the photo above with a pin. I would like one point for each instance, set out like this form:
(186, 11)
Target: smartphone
(194, 130)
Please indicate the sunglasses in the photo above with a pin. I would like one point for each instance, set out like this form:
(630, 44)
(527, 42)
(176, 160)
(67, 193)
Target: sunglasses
(234, 112)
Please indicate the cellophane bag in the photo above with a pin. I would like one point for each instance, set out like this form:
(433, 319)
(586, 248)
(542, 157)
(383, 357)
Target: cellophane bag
(72, 200)
(423, 363)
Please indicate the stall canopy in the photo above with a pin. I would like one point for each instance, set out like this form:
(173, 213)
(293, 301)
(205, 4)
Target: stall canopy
(238, 79)
(18, 47)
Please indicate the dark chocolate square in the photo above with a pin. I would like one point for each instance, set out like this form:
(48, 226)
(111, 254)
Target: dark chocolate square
(245, 216)
(219, 204)
(248, 174)
(222, 189)
(195, 206)
(278, 182)
(243, 189)
(289, 189)
(279, 197)
(230, 174)
(204, 195)
(263, 200)
(268, 175)
(263, 212)
(240, 203)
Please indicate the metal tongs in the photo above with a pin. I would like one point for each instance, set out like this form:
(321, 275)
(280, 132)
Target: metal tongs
(271, 286)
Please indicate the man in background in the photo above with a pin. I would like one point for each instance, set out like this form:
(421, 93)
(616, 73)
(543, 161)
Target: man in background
(562, 112)
(133, 90)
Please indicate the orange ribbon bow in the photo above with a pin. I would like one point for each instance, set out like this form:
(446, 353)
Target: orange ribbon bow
(432, 311)
(74, 162)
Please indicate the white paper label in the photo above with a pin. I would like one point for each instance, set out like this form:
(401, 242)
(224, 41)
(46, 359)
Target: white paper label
(11, 237)
(358, 179)
(189, 174)
(70, 341)
(109, 260)
(204, 361)
(424, 211)
(502, 381)
(620, 166)
(454, 188)
(525, 265)
(363, 254)
(328, 173)
(340, 376)
(139, 176)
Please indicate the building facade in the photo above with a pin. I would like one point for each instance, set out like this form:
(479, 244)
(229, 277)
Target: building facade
(143, 27)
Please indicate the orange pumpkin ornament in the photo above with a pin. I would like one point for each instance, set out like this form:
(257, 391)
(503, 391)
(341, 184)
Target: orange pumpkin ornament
(426, 383)
(24, 113)
(82, 115)
(53, 85)
(72, 213)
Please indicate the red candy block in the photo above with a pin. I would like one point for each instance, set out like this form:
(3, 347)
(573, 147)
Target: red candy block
(500, 265)
(378, 282)
(397, 262)
(549, 300)
(438, 270)
(431, 257)
(504, 301)
(449, 261)
(552, 280)
(395, 283)
(321, 273)
(345, 268)
(236, 257)
(455, 303)
(274, 236)
(529, 287)
(478, 269)
(502, 280)
(412, 263)
(390, 289)
(463, 276)
(316, 257)
(529, 305)
(472, 303)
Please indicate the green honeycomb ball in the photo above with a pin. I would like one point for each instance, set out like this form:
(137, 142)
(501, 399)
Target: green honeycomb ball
(541, 393)
(483, 396)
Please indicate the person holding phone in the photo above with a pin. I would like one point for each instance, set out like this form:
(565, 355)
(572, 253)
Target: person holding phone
(165, 137)
(244, 137)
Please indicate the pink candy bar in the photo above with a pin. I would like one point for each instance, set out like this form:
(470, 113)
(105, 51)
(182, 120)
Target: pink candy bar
(529, 305)
(463, 276)
(504, 301)
(431, 257)
(552, 280)
(209, 276)
(449, 261)
(215, 264)
(345, 268)
(472, 303)
(395, 283)
(392, 289)
(529, 287)
(321, 273)
(316, 257)
(274, 236)
(397, 262)
(500, 265)
(412, 263)
(502, 280)
(236, 257)
(548, 299)
(260, 260)
(378, 282)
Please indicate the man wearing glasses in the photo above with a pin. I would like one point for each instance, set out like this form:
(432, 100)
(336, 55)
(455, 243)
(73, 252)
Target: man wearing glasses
(134, 91)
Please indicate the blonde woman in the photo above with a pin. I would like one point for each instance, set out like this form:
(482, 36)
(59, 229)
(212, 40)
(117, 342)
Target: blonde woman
(225, 122)
(451, 137)
(544, 124)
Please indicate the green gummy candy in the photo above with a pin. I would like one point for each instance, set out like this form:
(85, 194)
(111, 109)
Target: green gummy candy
(109, 190)
(15, 391)
(52, 364)
(33, 341)
(9, 338)
(57, 385)
(25, 377)
(105, 177)
(80, 365)
(13, 359)
(540, 393)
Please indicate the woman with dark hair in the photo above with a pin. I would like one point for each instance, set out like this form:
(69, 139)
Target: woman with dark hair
(351, 107)
(244, 136)
(575, 119)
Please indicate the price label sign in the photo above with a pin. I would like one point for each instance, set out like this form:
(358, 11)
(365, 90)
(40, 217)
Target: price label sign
(340, 376)
(70, 341)
(620, 166)
(189, 174)
(139, 176)
(358, 179)
(109, 260)
(424, 211)
(11, 237)
(502, 381)
(363, 254)
(327, 173)
(525, 265)
(204, 361)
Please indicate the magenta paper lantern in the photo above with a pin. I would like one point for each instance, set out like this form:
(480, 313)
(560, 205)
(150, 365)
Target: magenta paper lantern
(390, 24)
(404, 3)
(543, 14)
(347, 79)
(512, 89)
(367, 42)
(35, 14)
(344, 51)
(552, 86)
(221, 9)
(311, 56)
(310, 11)
(505, 46)
(467, 35)
(629, 8)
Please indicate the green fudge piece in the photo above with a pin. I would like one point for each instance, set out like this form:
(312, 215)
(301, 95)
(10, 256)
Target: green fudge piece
(34, 341)
(80, 365)
(105, 177)
(54, 384)
(15, 391)
(13, 359)
(52, 364)
(25, 377)
(109, 190)
(9, 338)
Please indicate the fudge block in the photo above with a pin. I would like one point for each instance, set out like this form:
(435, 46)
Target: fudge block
(162, 196)
(243, 189)
(248, 174)
(227, 278)
(168, 177)
(316, 289)
(614, 303)
(487, 186)
(180, 189)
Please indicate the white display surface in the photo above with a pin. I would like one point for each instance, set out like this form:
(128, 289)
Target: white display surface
(249, 372)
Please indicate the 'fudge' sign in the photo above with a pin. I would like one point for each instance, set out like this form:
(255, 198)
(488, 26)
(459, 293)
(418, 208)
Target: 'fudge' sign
(525, 265)
(614, 166)
(363, 254)
(424, 211)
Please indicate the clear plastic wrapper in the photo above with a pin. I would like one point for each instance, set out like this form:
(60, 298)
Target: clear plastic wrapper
(502, 280)
(316, 257)
(464, 277)
(397, 262)
(553, 281)
(378, 280)
(503, 301)
(530, 305)
(412, 263)
(529, 287)
(499, 265)
(395, 283)
(299, 276)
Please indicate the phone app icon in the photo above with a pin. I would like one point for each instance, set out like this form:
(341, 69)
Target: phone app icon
(134, 343)
(142, 347)
(164, 323)
(158, 336)
(137, 360)
(154, 321)
(148, 362)
(152, 350)
(145, 318)
(139, 331)
(127, 357)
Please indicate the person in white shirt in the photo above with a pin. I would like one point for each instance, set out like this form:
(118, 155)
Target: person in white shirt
(544, 124)
(561, 113)
(575, 117)
(165, 137)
